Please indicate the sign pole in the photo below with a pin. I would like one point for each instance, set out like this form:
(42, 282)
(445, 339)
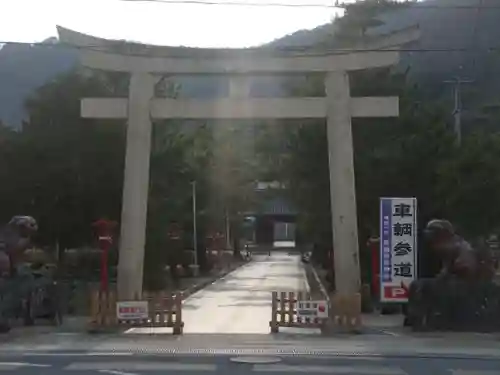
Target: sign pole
(104, 229)
(105, 245)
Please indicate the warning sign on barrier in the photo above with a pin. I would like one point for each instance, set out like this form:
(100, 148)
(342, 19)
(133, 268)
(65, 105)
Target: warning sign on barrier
(300, 312)
(312, 309)
(132, 310)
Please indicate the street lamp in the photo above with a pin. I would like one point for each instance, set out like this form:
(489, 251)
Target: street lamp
(195, 236)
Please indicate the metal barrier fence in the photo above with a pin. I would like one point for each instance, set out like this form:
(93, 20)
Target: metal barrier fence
(163, 310)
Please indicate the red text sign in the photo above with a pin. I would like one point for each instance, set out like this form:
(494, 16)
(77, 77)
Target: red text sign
(395, 293)
(130, 310)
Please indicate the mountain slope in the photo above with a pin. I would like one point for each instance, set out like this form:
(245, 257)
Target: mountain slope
(23, 68)
(460, 26)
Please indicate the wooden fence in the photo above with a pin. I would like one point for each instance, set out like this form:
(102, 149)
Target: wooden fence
(284, 312)
(344, 313)
(164, 310)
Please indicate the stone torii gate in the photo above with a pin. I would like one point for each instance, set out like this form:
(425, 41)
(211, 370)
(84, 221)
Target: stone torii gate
(146, 65)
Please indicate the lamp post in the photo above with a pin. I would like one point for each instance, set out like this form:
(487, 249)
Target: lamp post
(195, 267)
(104, 229)
(195, 235)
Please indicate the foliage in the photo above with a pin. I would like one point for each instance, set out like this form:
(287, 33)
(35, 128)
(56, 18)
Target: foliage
(60, 164)
(412, 155)
(68, 171)
(469, 184)
(360, 16)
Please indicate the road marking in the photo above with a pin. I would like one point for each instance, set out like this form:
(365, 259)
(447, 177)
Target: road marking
(474, 372)
(8, 366)
(390, 333)
(350, 370)
(97, 354)
(113, 372)
(354, 357)
(140, 366)
(78, 354)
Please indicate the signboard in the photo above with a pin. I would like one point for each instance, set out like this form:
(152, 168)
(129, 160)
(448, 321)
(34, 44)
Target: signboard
(132, 310)
(312, 309)
(398, 247)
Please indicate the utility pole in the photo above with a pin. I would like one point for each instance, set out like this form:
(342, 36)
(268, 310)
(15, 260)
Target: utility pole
(195, 234)
(228, 232)
(457, 111)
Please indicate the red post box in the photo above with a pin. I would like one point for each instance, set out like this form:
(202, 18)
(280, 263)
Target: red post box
(374, 246)
(104, 230)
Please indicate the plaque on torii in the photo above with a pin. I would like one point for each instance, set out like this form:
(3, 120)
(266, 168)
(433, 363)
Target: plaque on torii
(146, 64)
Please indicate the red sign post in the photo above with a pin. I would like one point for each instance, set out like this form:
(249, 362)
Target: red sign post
(104, 229)
(174, 231)
(374, 247)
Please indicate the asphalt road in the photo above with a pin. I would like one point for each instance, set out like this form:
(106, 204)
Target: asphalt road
(224, 365)
(241, 301)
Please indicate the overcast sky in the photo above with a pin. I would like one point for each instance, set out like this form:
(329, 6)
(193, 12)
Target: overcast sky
(158, 23)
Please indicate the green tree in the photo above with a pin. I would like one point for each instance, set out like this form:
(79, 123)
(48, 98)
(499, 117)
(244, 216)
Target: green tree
(413, 155)
(359, 17)
(231, 171)
(393, 157)
(470, 184)
(65, 164)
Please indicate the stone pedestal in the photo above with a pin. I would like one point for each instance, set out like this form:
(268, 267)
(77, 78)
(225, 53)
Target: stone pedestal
(195, 270)
(345, 313)
(454, 305)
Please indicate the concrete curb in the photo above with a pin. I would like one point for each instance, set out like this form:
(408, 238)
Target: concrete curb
(15, 334)
(197, 287)
(276, 349)
(306, 281)
(321, 286)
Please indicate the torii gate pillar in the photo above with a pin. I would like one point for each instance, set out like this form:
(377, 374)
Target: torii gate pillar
(342, 183)
(135, 186)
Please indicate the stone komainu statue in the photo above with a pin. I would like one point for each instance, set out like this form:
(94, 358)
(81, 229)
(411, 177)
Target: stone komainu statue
(25, 292)
(458, 257)
(15, 238)
(462, 296)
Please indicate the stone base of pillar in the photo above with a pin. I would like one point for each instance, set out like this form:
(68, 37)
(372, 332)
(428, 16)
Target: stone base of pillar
(366, 299)
(195, 269)
(345, 315)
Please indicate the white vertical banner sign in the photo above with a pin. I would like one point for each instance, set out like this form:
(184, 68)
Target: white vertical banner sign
(398, 247)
